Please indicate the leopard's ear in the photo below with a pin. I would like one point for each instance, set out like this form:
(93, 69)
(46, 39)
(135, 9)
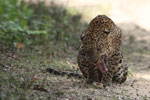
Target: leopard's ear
(82, 35)
(106, 31)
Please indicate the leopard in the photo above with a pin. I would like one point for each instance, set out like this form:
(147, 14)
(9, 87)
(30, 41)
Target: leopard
(100, 57)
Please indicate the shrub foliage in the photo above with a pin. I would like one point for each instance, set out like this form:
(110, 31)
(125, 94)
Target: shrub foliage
(35, 23)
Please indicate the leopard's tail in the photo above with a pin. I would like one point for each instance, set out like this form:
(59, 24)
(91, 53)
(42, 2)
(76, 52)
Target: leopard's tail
(69, 74)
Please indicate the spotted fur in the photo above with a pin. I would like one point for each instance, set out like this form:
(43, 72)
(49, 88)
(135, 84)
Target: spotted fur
(102, 38)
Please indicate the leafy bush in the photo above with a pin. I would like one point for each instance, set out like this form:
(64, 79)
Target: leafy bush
(35, 23)
(14, 26)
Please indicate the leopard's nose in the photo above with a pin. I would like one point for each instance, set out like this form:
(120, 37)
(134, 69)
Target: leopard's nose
(94, 59)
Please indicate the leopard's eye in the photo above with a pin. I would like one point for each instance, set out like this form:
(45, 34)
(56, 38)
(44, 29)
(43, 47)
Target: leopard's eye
(99, 49)
(106, 31)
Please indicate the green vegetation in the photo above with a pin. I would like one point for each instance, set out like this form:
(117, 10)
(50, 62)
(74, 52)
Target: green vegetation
(14, 22)
(35, 23)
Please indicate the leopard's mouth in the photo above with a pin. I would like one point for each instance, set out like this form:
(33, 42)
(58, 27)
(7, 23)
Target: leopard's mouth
(102, 65)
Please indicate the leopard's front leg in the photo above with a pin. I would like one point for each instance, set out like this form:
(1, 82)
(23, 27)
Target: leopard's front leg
(107, 78)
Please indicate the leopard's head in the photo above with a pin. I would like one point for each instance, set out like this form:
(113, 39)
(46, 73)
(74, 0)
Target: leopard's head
(101, 38)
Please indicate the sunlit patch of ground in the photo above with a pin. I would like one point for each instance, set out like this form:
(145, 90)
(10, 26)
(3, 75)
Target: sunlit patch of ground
(145, 76)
